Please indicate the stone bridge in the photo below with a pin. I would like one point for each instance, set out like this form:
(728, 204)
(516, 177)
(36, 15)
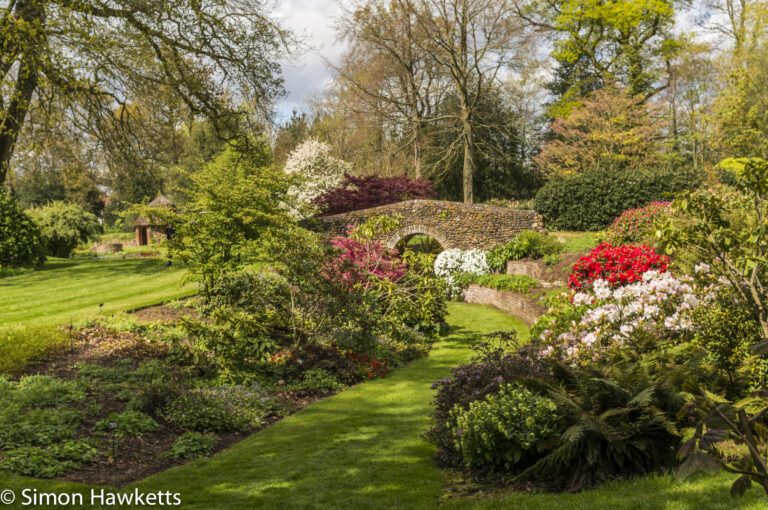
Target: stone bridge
(452, 224)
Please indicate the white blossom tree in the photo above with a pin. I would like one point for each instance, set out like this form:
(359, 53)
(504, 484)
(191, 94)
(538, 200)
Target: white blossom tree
(317, 172)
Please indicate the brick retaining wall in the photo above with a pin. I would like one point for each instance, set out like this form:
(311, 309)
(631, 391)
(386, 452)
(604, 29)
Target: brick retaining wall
(513, 303)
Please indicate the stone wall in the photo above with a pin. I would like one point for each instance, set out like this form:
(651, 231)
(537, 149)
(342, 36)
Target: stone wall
(513, 303)
(452, 224)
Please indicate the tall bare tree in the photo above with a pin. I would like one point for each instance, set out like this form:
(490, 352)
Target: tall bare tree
(473, 42)
(388, 71)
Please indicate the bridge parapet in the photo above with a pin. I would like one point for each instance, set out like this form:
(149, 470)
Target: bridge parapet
(452, 224)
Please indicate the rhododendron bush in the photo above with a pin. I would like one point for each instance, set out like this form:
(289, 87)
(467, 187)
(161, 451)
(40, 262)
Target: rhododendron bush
(594, 322)
(618, 265)
(634, 225)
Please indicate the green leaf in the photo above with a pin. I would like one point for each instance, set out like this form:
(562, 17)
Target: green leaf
(698, 461)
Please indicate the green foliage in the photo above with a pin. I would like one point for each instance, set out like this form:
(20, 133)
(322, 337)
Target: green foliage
(40, 391)
(234, 203)
(64, 226)
(224, 409)
(21, 345)
(514, 282)
(591, 201)
(127, 423)
(718, 420)
(728, 233)
(727, 331)
(317, 380)
(21, 243)
(50, 462)
(192, 445)
(36, 427)
(496, 433)
(528, 244)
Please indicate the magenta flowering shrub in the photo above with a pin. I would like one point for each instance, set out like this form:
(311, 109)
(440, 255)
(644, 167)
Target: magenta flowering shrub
(359, 260)
(634, 225)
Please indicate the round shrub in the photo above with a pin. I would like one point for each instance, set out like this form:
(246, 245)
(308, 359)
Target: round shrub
(617, 265)
(64, 226)
(592, 200)
(497, 432)
(635, 225)
(21, 243)
(452, 262)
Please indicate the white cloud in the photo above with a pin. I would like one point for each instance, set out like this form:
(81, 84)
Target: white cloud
(313, 21)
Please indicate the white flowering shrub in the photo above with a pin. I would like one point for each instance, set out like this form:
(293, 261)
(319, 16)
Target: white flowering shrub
(634, 316)
(317, 173)
(454, 261)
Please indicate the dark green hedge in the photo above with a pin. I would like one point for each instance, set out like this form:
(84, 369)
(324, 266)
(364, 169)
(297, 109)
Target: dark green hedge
(591, 201)
(20, 240)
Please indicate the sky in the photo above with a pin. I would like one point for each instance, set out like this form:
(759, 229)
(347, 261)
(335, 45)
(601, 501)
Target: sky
(313, 20)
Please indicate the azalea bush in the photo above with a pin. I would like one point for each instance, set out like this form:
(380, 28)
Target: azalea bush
(356, 193)
(450, 263)
(618, 265)
(635, 225)
(360, 260)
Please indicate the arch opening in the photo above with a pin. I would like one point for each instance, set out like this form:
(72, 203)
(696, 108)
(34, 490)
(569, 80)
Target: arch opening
(420, 243)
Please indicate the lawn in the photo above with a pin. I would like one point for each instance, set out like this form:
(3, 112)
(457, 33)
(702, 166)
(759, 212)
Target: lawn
(362, 450)
(72, 289)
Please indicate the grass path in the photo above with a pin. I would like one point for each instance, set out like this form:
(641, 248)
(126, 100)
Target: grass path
(361, 450)
(72, 289)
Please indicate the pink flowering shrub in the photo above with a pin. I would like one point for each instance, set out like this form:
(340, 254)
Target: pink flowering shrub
(359, 260)
(634, 225)
(618, 265)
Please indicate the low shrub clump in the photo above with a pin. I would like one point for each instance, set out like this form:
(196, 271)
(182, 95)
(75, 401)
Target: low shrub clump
(504, 429)
(635, 225)
(224, 409)
(192, 445)
(530, 244)
(21, 345)
(514, 282)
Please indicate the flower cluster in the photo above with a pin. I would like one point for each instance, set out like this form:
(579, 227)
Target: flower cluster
(635, 224)
(357, 261)
(452, 262)
(281, 358)
(373, 367)
(618, 265)
(659, 306)
(318, 170)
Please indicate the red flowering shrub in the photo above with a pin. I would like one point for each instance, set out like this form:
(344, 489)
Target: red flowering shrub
(358, 260)
(373, 367)
(356, 193)
(616, 264)
(633, 225)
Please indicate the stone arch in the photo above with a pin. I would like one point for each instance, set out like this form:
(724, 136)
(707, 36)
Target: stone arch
(410, 230)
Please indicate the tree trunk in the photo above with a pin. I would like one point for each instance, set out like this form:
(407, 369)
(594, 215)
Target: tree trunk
(26, 84)
(469, 160)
